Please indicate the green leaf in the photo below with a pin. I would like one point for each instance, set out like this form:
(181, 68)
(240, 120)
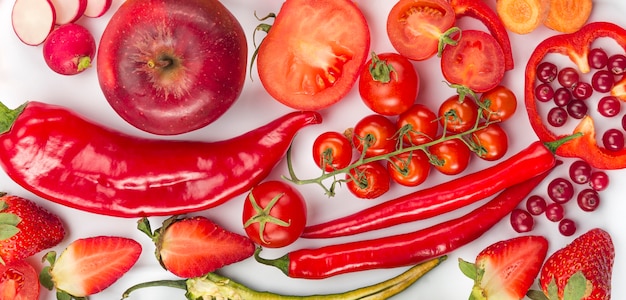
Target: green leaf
(553, 290)
(575, 287)
(8, 231)
(3, 205)
(468, 269)
(10, 219)
(61, 295)
(45, 279)
(536, 295)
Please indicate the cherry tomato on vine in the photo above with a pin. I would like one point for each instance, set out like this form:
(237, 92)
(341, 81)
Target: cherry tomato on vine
(491, 142)
(451, 156)
(368, 181)
(332, 150)
(389, 84)
(377, 132)
(409, 168)
(423, 125)
(501, 103)
(476, 62)
(415, 27)
(274, 214)
(458, 116)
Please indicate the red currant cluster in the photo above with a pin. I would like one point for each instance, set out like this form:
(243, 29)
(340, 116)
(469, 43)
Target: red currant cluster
(559, 192)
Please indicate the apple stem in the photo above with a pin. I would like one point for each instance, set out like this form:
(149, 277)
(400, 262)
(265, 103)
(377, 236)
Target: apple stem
(160, 63)
(84, 63)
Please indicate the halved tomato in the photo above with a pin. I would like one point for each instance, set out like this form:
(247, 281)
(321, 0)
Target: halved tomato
(415, 27)
(313, 53)
(19, 281)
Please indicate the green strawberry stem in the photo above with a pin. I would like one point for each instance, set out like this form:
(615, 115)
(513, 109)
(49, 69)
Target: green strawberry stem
(214, 286)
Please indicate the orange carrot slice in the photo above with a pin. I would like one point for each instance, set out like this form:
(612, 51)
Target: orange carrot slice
(568, 15)
(522, 16)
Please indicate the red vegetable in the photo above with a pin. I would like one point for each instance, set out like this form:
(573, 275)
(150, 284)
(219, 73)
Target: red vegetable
(479, 10)
(445, 197)
(402, 249)
(577, 46)
(53, 153)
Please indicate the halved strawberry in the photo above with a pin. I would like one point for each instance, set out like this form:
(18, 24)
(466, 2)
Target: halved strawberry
(26, 228)
(90, 265)
(580, 270)
(505, 270)
(192, 247)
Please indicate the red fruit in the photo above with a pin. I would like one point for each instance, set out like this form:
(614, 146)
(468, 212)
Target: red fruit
(193, 247)
(506, 269)
(89, 265)
(28, 229)
(591, 255)
(69, 49)
(18, 281)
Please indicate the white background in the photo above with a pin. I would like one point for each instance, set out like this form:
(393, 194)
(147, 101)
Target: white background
(24, 76)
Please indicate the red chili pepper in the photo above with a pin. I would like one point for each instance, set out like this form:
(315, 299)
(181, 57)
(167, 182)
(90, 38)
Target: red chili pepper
(62, 157)
(479, 10)
(445, 197)
(403, 249)
(576, 46)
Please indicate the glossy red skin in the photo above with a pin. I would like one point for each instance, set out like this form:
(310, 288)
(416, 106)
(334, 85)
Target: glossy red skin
(192, 93)
(382, 132)
(454, 154)
(340, 147)
(424, 125)
(465, 114)
(576, 46)
(502, 103)
(477, 61)
(25, 278)
(417, 169)
(290, 208)
(408, 248)
(493, 142)
(65, 46)
(376, 177)
(442, 198)
(297, 79)
(427, 16)
(479, 10)
(396, 96)
(126, 176)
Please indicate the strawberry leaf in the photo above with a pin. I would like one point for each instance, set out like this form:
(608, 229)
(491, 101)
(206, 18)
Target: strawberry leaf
(8, 231)
(536, 295)
(576, 287)
(553, 290)
(468, 269)
(10, 219)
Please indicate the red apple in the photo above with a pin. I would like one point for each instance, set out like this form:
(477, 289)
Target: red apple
(172, 66)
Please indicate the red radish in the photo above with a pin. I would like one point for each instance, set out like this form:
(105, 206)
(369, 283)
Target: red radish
(68, 11)
(33, 20)
(69, 49)
(97, 8)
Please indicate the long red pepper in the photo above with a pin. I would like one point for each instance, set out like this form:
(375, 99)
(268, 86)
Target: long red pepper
(60, 156)
(535, 159)
(403, 249)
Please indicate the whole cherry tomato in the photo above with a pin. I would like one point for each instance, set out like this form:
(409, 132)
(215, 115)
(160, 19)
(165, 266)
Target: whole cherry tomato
(415, 27)
(491, 142)
(450, 157)
(377, 132)
(458, 116)
(418, 125)
(332, 150)
(368, 181)
(501, 103)
(409, 168)
(388, 84)
(274, 214)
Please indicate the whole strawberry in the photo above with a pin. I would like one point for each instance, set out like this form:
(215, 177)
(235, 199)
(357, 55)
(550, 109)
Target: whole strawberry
(27, 228)
(580, 270)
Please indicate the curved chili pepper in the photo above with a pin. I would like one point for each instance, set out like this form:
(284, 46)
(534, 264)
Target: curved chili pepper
(60, 156)
(445, 197)
(576, 46)
(402, 249)
(479, 10)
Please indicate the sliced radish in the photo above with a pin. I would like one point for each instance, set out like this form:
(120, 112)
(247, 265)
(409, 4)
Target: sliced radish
(33, 20)
(97, 8)
(68, 11)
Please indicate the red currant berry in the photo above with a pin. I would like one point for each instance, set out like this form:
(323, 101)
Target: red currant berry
(599, 180)
(567, 227)
(555, 212)
(560, 190)
(521, 220)
(536, 205)
(588, 199)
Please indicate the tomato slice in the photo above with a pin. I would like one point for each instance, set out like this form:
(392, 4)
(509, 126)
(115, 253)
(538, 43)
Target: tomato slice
(415, 27)
(310, 57)
(477, 61)
(19, 281)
